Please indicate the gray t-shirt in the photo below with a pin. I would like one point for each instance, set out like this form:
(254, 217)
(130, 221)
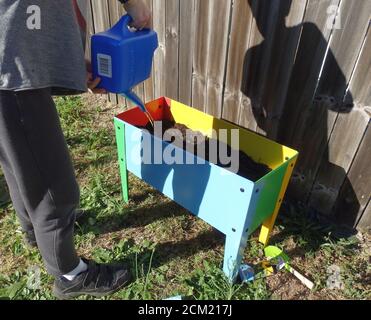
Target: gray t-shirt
(40, 46)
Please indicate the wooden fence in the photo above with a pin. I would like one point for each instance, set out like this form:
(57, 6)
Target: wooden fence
(297, 71)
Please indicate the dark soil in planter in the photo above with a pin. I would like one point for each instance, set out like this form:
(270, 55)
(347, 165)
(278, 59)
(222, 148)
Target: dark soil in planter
(248, 168)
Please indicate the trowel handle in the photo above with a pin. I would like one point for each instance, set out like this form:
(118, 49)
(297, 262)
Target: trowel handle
(309, 284)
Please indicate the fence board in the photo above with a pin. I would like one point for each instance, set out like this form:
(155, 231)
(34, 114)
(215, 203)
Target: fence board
(89, 31)
(241, 30)
(172, 48)
(284, 48)
(360, 85)
(268, 64)
(203, 28)
(149, 85)
(159, 24)
(345, 45)
(365, 223)
(355, 192)
(347, 135)
(217, 51)
(186, 45)
(308, 62)
(346, 130)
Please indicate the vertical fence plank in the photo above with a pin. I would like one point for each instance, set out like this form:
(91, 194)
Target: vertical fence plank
(345, 45)
(347, 127)
(284, 46)
(314, 40)
(202, 30)
(217, 50)
(344, 142)
(241, 29)
(159, 24)
(268, 63)
(149, 88)
(356, 191)
(89, 31)
(359, 91)
(212, 31)
(172, 48)
(365, 222)
(186, 45)
(304, 123)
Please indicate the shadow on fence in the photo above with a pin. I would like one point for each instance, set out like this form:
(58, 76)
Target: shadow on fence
(297, 130)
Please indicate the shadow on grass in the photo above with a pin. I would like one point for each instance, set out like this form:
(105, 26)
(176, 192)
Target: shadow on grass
(308, 230)
(145, 216)
(83, 164)
(136, 218)
(171, 250)
(165, 252)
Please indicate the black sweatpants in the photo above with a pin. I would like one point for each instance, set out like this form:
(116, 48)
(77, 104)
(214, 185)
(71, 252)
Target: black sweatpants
(39, 173)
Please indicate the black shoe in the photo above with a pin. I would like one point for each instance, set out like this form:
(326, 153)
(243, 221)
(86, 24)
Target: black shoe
(30, 239)
(99, 280)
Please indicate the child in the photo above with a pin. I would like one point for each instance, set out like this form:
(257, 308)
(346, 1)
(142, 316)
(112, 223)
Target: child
(41, 54)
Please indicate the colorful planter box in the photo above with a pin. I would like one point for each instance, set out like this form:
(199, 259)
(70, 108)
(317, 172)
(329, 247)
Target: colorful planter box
(229, 202)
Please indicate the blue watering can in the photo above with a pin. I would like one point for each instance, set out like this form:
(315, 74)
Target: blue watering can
(123, 58)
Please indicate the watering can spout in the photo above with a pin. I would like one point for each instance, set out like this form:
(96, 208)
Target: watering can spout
(130, 95)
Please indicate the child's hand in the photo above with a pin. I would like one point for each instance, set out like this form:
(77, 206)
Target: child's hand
(140, 13)
(93, 83)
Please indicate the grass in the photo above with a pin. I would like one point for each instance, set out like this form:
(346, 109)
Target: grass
(169, 251)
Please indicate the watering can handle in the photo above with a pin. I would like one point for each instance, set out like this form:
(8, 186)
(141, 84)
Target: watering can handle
(125, 22)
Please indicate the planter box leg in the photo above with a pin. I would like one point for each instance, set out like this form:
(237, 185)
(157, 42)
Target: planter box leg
(121, 147)
(233, 253)
(269, 223)
(267, 228)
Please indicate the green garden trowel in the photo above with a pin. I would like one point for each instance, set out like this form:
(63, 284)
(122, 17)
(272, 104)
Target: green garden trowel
(281, 261)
